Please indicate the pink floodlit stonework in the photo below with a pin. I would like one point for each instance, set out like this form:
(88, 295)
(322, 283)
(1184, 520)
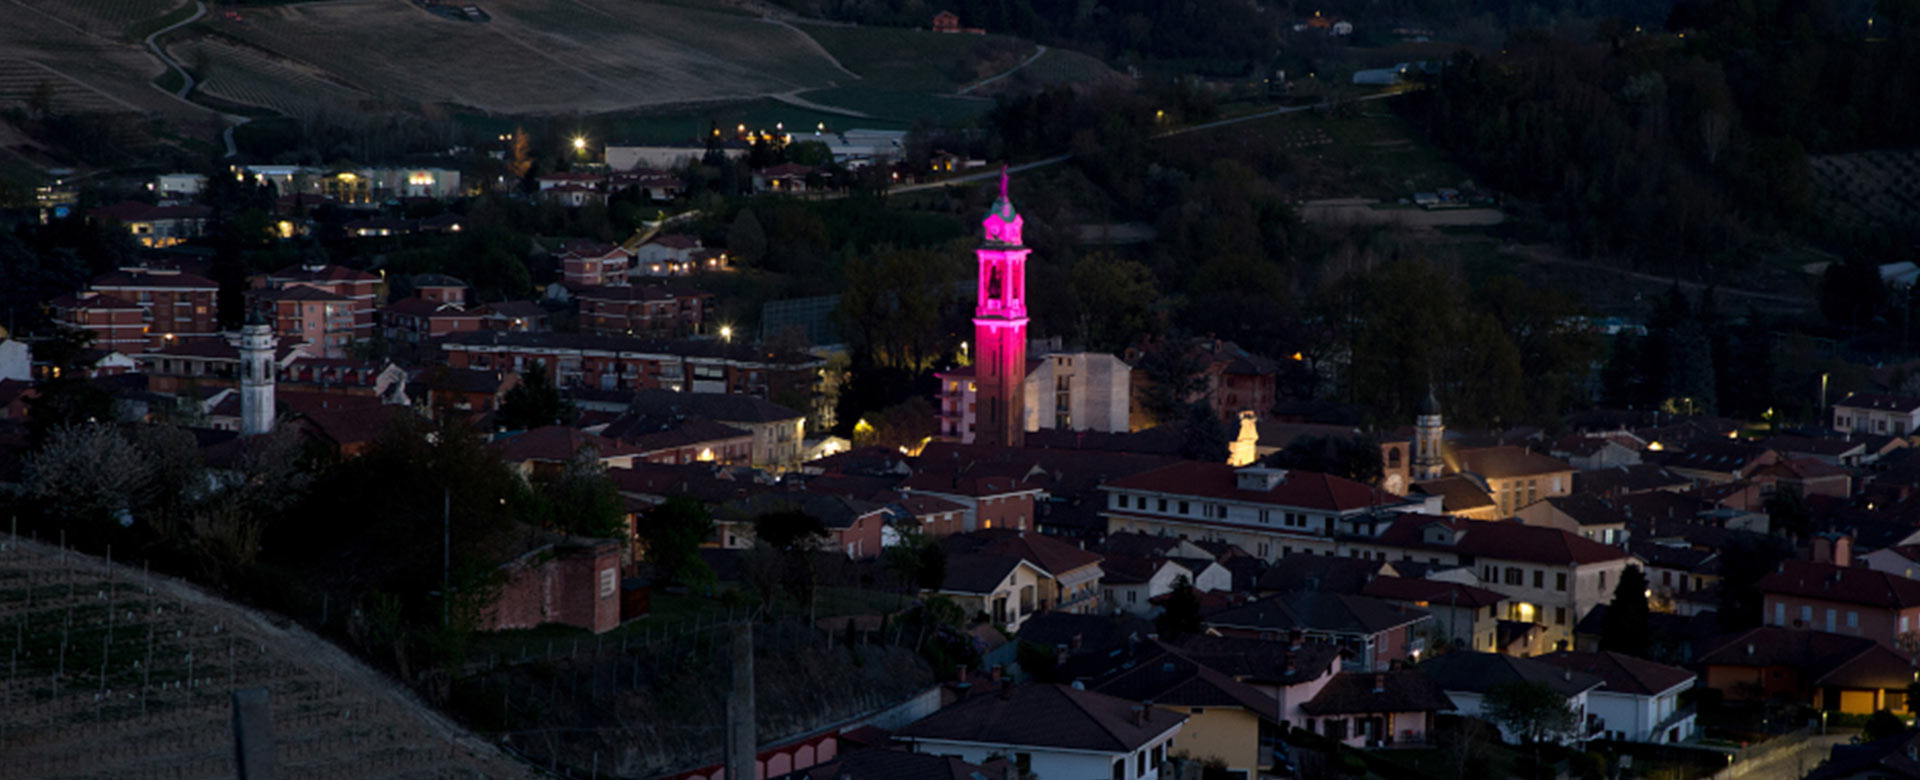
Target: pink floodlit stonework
(1000, 327)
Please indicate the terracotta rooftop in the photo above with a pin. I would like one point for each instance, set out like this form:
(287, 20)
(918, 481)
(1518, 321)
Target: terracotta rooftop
(1046, 716)
(1477, 672)
(1304, 489)
(1880, 403)
(1366, 693)
(1508, 462)
(1507, 541)
(1845, 585)
(1620, 673)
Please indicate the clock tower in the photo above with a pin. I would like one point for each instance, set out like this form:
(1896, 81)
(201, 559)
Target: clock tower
(1000, 328)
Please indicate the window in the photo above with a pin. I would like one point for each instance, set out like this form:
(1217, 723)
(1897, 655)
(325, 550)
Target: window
(1515, 576)
(1133, 596)
(1806, 615)
(1559, 616)
(1159, 751)
(1024, 762)
(1603, 582)
(1163, 505)
(1539, 578)
(1140, 764)
(609, 581)
(1780, 616)
(1853, 619)
(1120, 501)
(1831, 615)
(1120, 769)
(1183, 507)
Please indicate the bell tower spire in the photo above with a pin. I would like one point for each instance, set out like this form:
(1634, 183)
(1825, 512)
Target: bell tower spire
(1000, 327)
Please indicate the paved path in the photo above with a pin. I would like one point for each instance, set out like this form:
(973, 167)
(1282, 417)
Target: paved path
(1005, 73)
(811, 42)
(793, 99)
(186, 85)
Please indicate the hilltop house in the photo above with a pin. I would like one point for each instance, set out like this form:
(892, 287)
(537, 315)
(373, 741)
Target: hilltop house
(1467, 677)
(1638, 700)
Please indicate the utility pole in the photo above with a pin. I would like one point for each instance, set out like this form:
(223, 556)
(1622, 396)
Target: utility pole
(446, 557)
(742, 742)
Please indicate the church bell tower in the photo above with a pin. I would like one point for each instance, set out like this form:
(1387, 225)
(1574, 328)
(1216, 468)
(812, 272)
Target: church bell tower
(256, 377)
(1000, 328)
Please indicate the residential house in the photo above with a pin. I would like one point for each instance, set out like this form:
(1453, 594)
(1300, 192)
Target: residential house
(994, 500)
(673, 254)
(1807, 476)
(1291, 671)
(415, 320)
(1870, 413)
(681, 438)
(853, 525)
(568, 580)
(464, 389)
(1551, 577)
(1638, 700)
(1590, 452)
(1070, 576)
(550, 448)
(785, 177)
(777, 431)
(935, 517)
(1268, 512)
(1236, 379)
(116, 323)
(655, 311)
(155, 227)
(1712, 460)
(1467, 677)
(1464, 616)
(1052, 731)
(1826, 671)
(1626, 480)
(1375, 632)
(15, 396)
(1584, 515)
(593, 264)
(1002, 589)
(1226, 718)
(1515, 476)
(1133, 584)
(1377, 709)
(657, 186)
(620, 363)
(514, 317)
(1676, 571)
(176, 306)
(1082, 391)
(1846, 450)
(1839, 599)
(439, 288)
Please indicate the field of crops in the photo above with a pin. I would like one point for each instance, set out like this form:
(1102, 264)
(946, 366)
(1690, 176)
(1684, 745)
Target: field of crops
(19, 79)
(538, 56)
(119, 674)
(105, 18)
(1068, 67)
(917, 60)
(243, 75)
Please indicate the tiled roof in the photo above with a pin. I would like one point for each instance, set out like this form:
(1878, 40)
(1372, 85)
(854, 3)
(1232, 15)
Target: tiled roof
(1502, 540)
(555, 443)
(1457, 493)
(522, 309)
(436, 280)
(91, 302)
(1621, 673)
(977, 574)
(346, 427)
(1807, 445)
(743, 352)
(1477, 672)
(1298, 489)
(1303, 571)
(1627, 479)
(697, 480)
(1437, 593)
(1097, 634)
(1361, 693)
(1587, 510)
(421, 307)
(1719, 455)
(298, 292)
(1508, 462)
(653, 433)
(135, 211)
(1053, 556)
(637, 292)
(1321, 612)
(1260, 660)
(140, 277)
(725, 407)
(323, 273)
(1822, 658)
(1846, 585)
(1881, 403)
(1047, 716)
(1166, 676)
(835, 512)
(1134, 571)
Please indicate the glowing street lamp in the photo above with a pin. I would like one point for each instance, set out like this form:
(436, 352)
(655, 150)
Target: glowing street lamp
(726, 333)
(579, 143)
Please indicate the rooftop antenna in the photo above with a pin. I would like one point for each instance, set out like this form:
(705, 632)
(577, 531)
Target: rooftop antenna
(1003, 181)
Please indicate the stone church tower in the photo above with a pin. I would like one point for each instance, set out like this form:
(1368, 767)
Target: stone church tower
(1000, 328)
(1427, 429)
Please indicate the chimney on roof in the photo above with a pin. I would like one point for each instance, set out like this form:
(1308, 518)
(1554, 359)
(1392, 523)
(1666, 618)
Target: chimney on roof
(1379, 682)
(1139, 715)
(1146, 711)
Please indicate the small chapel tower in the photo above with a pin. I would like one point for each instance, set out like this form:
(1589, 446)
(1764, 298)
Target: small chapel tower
(256, 376)
(1000, 328)
(1427, 428)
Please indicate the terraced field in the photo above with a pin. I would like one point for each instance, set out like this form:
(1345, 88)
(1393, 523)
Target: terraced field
(117, 674)
(20, 78)
(105, 18)
(1868, 189)
(244, 75)
(539, 56)
(87, 62)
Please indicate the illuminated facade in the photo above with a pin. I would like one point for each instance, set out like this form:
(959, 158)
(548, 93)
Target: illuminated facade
(1000, 328)
(1428, 462)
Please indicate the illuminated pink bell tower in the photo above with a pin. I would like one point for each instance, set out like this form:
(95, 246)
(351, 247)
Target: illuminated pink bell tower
(1000, 328)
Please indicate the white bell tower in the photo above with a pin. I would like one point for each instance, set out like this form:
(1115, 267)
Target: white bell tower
(256, 376)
